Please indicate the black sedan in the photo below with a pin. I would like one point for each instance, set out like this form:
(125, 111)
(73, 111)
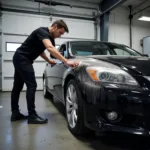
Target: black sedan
(108, 91)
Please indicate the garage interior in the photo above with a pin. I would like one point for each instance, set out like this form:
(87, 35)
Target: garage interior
(101, 20)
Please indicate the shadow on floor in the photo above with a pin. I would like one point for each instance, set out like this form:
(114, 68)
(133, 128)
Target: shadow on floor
(57, 104)
(116, 140)
(109, 141)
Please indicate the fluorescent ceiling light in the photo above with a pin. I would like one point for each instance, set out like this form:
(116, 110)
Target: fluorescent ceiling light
(144, 18)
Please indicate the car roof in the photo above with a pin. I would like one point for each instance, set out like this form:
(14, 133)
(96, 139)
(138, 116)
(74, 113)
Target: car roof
(70, 41)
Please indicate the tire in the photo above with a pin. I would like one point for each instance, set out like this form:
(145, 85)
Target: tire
(74, 109)
(45, 92)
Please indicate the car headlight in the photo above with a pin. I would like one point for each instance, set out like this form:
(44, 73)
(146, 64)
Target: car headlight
(111, 75)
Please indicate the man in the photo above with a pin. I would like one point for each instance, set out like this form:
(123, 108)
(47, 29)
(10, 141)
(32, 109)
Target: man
(34, 46)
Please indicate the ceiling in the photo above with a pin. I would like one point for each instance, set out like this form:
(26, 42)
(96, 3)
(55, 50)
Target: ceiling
(86, 1)
(128, 2)
(91, 1)
(136, 3)
(140, 7)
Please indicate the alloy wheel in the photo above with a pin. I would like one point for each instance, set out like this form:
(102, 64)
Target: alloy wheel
(71, 106)
(44, 86)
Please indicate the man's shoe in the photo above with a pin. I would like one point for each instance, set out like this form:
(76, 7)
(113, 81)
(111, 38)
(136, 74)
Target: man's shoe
(35, 119)
(18, 116)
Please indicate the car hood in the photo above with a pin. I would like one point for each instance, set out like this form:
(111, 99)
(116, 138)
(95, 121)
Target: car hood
(140, 65)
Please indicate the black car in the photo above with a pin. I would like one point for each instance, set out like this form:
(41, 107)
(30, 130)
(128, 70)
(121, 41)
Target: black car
(108, 91)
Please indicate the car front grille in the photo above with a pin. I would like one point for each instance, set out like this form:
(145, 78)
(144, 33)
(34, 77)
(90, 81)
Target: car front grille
(135, 121)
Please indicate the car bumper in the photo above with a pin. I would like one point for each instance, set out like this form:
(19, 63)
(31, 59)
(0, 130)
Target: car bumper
(131, 105)
(96, 119)
(129, 130)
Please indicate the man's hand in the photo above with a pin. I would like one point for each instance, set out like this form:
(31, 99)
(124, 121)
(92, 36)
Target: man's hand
(72, 63)
(52, 62)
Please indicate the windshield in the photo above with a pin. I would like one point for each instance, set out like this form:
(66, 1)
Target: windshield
(85, 48)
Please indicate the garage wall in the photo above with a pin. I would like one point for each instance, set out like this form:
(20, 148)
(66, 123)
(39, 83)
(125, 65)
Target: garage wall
(0, 52)
(140, 30)
(119, 28)
(17, 26)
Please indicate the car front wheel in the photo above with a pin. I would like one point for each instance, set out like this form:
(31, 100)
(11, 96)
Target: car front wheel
(45, 92)
(74, 109)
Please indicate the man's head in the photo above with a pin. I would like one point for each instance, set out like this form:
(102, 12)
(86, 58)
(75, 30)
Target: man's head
(58, 28)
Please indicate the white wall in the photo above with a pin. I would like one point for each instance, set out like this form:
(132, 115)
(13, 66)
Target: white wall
(0, 53)
(140, 30)
(119, 28)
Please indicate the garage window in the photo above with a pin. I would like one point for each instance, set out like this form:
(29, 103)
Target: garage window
(12, 47)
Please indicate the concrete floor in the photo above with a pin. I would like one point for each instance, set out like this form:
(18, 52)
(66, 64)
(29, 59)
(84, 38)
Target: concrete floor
(55, 135)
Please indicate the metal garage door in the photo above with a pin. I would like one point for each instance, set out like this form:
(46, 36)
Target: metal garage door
(16, 27)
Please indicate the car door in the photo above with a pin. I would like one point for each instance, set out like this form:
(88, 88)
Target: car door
(55, 75)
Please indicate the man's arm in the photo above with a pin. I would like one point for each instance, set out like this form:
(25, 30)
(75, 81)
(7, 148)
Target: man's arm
(43, 55)
(53, 51)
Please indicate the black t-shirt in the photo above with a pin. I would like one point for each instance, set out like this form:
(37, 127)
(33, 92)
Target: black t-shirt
(32, 47)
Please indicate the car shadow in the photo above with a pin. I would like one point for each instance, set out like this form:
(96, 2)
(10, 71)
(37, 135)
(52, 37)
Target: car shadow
(58, 105)
(117, 141)
(109, 141)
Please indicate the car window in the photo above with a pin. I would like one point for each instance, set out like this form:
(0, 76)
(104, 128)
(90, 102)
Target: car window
(84, 48)
(121, 52)
(63, 50)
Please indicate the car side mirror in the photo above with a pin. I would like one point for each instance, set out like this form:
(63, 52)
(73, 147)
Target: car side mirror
(62, 52)
(146, 55)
